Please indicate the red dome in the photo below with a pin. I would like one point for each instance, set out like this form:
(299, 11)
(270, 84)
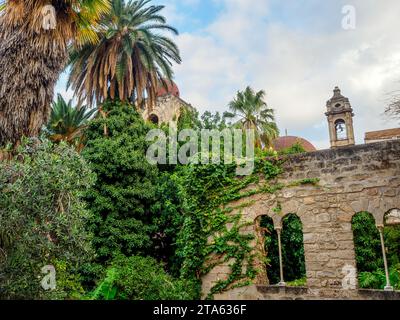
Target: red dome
(169, 87)
(287, 142)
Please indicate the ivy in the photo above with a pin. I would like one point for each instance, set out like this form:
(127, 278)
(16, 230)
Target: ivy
(211, 235)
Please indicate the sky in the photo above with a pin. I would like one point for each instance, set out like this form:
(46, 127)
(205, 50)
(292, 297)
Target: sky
(297, 51)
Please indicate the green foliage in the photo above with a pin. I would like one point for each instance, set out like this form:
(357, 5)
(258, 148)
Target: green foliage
(67, 122)
(377, 278)
(69, 284)
(297, 283)
(168, 219)
(392, 243)
(189, 119)
(208, 190)
(134, 55)
(214, 121)
(294, 149)
(140, 278)
(292, 250)
(369, 252)
(253, 112)
(126, 183)
(42, 218)
(367, 243)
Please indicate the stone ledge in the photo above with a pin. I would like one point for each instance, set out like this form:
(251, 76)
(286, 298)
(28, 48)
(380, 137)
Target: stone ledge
(305, 293)
(282, 290)
(379, 294)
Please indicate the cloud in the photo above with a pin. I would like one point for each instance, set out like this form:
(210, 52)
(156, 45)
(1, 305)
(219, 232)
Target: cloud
(297, 51)
(297, 54)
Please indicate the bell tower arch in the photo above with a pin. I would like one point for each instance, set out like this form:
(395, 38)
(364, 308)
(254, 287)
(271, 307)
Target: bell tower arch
(340, 120)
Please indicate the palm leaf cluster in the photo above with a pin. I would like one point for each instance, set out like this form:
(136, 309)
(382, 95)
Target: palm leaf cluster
(253, 113)
(76, 19)
(130, 61)
(67, 122)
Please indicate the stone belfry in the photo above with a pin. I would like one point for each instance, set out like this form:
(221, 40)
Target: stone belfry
(340, 119)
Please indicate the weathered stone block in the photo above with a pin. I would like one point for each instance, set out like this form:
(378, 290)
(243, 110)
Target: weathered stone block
(355, 179)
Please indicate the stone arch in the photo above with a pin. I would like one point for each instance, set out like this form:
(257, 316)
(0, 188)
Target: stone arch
(277, 210)
(373, 205)
(392, 217)
(263, 208)
(341, 129)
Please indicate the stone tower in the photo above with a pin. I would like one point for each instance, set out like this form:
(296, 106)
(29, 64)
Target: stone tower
(168, 105)
(340, 119)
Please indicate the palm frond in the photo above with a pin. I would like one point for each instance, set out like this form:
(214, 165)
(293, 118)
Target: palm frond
(131, 58)
(253, 113)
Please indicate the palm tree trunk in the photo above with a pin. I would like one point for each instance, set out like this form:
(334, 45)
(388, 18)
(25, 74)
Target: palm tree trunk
(30, 64)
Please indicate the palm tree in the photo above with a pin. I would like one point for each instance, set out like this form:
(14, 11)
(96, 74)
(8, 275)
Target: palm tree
(32, 57)
(130, 61)
(253, 113)
(67, 123)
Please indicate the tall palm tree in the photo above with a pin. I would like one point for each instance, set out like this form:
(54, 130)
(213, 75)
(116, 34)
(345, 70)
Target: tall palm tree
(130, 61)
(253, 112)
(67, 122)
(32, 57)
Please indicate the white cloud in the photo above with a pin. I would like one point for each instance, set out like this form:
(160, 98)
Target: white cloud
(297, 52)
(297, 63)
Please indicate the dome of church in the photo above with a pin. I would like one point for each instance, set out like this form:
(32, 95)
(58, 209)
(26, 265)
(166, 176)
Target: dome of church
(288, 141)
(169, 87)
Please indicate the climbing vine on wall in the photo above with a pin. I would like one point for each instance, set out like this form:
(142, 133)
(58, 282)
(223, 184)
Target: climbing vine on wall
(211, 234)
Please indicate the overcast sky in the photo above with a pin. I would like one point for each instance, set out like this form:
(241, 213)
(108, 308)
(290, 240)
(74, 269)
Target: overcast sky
(295, 50)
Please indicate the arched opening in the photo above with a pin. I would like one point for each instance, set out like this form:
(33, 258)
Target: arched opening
(270, 249)
(292, 250)
(340, 129)
(154, 119)
(391, 233)
(368, 249)
(294, 266)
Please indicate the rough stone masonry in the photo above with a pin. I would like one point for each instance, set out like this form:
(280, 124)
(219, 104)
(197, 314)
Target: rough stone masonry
(352, 180)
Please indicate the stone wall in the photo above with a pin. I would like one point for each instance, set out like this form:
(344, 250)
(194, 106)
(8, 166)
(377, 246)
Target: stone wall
(352, 180)
(167, 109)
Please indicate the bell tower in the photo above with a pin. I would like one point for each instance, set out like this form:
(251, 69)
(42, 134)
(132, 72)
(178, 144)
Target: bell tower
(340, 119)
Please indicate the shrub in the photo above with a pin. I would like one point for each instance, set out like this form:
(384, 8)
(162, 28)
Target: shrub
(367, 243)
(139, 278)
(377, 278)
(42, 217)
(126, 183)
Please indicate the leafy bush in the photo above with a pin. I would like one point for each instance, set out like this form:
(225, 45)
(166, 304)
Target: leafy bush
(377, 278)
(369, 252)
(168, 219)
(367, 243)
(294, 149)
(42, 218)
(139, 278)
(126, 183)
